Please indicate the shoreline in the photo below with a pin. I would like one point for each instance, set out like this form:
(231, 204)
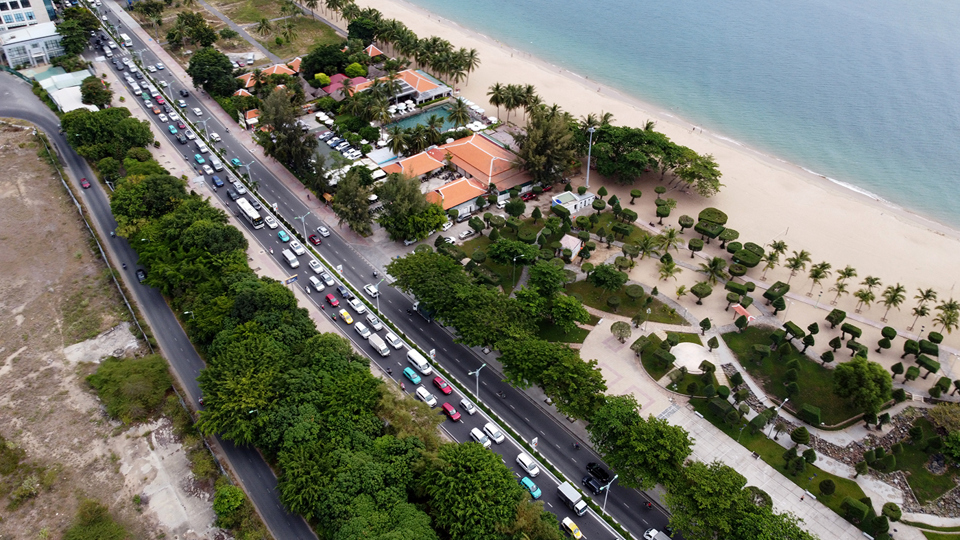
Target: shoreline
(658, 114)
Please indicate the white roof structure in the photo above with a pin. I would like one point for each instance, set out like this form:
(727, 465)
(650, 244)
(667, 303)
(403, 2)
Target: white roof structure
(28, 33)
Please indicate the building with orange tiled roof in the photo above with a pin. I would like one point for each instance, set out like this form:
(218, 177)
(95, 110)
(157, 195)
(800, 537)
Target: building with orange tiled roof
(295, 64)
(242, 93)
(460, 194)
(248, 119)
(373, 51)
(417, 165)
(479, 157)
(276, 69)
(414, 85)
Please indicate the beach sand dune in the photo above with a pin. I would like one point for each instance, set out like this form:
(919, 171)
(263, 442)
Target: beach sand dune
(766, 198)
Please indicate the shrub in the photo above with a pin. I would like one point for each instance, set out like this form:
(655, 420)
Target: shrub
(355, 70)
(226, 501)
(892, 511)
(899, 395)
(935, 392)
(836, 317)
(737, 270)
(880, 524)
(131, 389)
(527, 235)
(934, 337)
(927, 347)
(693, 388)
(735, 287)
(714, 215)
(910, 347)
(847, 328)
(746, 258)
(793, 329)
(810, 414)
(800, 436)
(929, 364)
(856, 510)
(776, 290)
(322, 79)
(810, 455)
(560, 211)
(723, 392)
(613, 302)
(708, 229)
(720, 407)
(754, 248)
(827, 487)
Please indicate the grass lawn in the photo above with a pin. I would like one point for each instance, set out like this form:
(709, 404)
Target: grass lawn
(652, 366)
(939, 536)
(310, 34)
(681, 387)
(508, 277)
(248, 11)
(597, 298)
(772, 453)
(816, 382)
(926, 485)
(550, 332)
(607, 220)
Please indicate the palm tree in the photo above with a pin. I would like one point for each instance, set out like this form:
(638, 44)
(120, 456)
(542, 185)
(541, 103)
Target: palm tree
(770, 259)
(459, 113)
(434, 128)
(471, 62)
(818, 273)
(669, 269)
(893, 296)
(865, 296)
(840, 287)
(714, 269)
(398, 139)
(649, 245)
(923, 296)
(949, 315)
(797, 262)
(418, 139)
(311, 5)
(264, 27)
(670, 238)
(779, 247)
(846, 273)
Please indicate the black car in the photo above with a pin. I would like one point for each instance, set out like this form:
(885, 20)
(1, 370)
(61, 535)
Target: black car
(138, 75)
(598, 472)
(184, 93)
(256, 204)
(344, 292)
(232, 193)
(167, 109)
(591, 483)
(181, 138)
(141, 275)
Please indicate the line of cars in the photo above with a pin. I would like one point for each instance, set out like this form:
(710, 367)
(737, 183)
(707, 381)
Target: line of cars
(340, 145)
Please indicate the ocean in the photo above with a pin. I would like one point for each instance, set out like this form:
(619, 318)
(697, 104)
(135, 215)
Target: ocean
(866, 94)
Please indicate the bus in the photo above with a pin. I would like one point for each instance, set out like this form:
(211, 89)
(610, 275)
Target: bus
(125, 40)
(248, 212)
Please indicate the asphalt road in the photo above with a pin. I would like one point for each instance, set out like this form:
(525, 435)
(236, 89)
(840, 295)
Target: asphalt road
(525, 417)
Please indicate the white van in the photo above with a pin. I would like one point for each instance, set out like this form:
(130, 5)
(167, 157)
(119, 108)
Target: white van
(378, 345)
(250, 59)
(478, 436)
(419, 362)
(290, 258)
(202, 147)
(315, 283)
(217, 164)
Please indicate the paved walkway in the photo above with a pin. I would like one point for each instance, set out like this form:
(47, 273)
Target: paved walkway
(240, 30)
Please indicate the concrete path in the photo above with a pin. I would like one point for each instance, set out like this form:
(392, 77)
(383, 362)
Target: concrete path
(240, 30)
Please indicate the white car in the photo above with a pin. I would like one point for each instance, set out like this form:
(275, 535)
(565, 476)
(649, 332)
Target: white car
(478, 436)
(362, 330)
(297, 248)
(467, 233)
(159, 65)
(494, 432)
(393, 340)
(207, 169)
(189, 134)
(174, 117)
(151, 69)
(327, 279)
(112, 45)
(163, 84)
(425, 396)
(271, 222)
(316, 266)
(182, 104)
(357, 305)
(215, 137)
(446, 226)
(371, 290)
(374, 322)
(528, 465)
(163, 118)
(238, 185)
(468, 407)
(323, 231)
(197, 111)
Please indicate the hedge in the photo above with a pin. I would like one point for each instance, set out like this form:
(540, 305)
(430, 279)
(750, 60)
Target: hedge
(776, 290)
(793, 329)
(734, 247)
(708, 229)
(734, 287)
(560, 211)
(746, 258)
(720, 407)
(927, 347)
(847, 328)
(737, 270)
(754, 248)
(855, 509)
(928, 363)
(836, 317)
(935, 337)
(527, 235)
(810, 414)
(714, 215)
(665, 357)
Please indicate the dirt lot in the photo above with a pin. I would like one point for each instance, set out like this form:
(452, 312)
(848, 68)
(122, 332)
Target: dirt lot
(60, 313)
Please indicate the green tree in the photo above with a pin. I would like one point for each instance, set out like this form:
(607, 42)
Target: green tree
(607, 277)
(707, 500)
(621, 330)
(797, 262)
(131, 389)
(212, 70)
(866, 384)
(701, 290)
(760, 522)
(800, 436)
(546, 278)
(546, 147)
(893, 296)
(73, 36)
(565, 311)
(351, 204)
(94, 92)
(285, 141)
(515, 208)
(715, 270)
(226, 501)
(406, 212)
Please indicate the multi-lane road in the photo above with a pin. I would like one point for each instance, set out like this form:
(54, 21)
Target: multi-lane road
(516, 409)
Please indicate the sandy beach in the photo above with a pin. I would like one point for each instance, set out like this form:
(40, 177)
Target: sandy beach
(766, 198)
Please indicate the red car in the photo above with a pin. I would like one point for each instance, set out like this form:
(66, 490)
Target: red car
(84, 183)
(442, 385)
(332, 300)
(314, 239)
(181, 125)
(451, 412)
(528, 197)
(548, 187)
(160, 100)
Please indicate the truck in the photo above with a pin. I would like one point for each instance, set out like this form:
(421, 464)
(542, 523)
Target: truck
(125, 40)
(653, 534)
(424, 311)
(572, 498)
(378, 345)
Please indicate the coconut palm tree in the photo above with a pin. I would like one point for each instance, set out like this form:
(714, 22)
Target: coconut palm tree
(715, 270)
(264, 27)
(866, 296)
(418, 139)
(840, 287)
(770, 260)
(350, 11)
(797, 262)
(471, 62)
(669, 269)
(434, 128)
(893, 296)
(921, 310)
(818, 273)
(311, 5)
(847, 273)
(949, 315)
(779, 247)
(670, 238)
(398, 139)
(648, 245)
(459, 113)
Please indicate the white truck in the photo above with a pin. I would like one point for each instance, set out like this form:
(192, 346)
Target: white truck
(572, 498)
(653, 534)
(378, 345)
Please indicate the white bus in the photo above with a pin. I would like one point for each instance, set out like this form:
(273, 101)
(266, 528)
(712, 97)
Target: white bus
(248, 212)
(125, 40)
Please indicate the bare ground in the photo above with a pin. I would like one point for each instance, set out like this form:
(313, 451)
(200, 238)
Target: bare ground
(60, 314)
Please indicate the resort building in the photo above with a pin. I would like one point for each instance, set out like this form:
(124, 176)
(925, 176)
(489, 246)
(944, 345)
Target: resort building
(295, 64)
(20, 13)
(416, 166)
(335, 88)
(573, 201)
(31, 45)
(248, 119)
(276, 69)
(460, 195)
(414, 85)
(484, 160)
(373, 51)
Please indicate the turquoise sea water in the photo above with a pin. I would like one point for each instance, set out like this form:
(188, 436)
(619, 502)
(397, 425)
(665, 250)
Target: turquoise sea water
(866, 93)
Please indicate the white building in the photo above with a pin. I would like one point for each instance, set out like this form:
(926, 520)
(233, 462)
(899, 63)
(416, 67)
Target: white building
(573, 201)
(31, 45)
(19, 13)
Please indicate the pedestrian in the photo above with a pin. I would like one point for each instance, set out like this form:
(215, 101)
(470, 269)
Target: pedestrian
(801, 497)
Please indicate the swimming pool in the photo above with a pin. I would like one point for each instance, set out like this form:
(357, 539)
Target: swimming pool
(442, 111)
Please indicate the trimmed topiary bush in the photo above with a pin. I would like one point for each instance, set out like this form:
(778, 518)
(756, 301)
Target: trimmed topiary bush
(855, 509)
(892, 511)
(746, 258)
(714, 215)
(810, 414)
(934, 337)
(777, 290)
(708, 229)
(930, 348)
(836, 317)
(827, 487)
(527, 235)
(734, 247)
(737, 270)
(854, 331)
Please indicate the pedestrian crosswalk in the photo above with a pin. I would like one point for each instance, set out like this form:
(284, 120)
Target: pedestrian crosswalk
(668, 412)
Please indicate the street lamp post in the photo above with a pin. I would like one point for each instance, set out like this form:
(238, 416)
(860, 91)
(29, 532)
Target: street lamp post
(378, 294)
(590, 130)
(303, 219)
(477, 374)
(514, 270)
(190, 313)
(606, 491)
(775, 415)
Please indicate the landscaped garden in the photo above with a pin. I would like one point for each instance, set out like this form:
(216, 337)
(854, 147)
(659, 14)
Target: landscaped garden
(655, 353)
(814, 383)
(598, 298)
(913, 460)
